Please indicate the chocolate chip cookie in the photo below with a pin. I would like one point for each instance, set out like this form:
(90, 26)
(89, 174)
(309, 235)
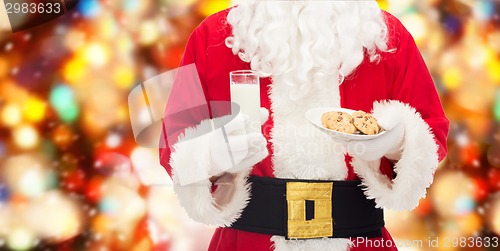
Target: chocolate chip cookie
(365, 123)
(338, 121)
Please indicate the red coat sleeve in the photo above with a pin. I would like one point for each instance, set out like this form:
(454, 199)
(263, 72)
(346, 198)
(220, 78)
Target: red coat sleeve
(187, 103)
(414, 85)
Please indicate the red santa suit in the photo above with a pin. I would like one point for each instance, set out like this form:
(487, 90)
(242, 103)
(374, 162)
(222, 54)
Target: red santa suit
(400, 76)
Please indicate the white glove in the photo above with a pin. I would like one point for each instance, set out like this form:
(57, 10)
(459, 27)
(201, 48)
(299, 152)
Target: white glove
(389, 144)
(233, 149)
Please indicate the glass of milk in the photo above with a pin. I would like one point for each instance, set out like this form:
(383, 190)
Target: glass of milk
(245, 91)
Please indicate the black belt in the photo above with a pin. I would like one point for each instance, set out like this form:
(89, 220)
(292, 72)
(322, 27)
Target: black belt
(306, 209)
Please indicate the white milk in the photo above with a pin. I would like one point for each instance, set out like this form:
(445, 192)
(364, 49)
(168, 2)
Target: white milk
(247, 96)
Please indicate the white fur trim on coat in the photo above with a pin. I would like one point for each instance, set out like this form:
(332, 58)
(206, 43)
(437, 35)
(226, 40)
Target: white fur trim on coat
(415, 169)
(304, 152)
(191, 168)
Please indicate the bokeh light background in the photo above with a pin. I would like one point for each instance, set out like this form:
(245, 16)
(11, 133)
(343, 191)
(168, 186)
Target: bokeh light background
(72, 176)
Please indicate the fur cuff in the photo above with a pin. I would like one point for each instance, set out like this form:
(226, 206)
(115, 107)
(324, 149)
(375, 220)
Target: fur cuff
(415, 168)
(191, 170)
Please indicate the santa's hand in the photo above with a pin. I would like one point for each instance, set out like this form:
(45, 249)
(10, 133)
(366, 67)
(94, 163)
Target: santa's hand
(389, 144)
(235, 148)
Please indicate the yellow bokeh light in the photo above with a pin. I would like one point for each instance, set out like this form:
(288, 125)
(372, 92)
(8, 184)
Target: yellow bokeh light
(452, 78)
(11, 115)
(384, 4)
(74, 70)
(34, 109)
(26, 137)
(124, 77)
(209, 7)
(493, 66)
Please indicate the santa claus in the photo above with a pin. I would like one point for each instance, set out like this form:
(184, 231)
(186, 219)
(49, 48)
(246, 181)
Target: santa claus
(294, 187)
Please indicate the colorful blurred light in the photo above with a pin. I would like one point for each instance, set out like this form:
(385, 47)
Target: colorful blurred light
(124, 77)
(11, 114)
(149, 32)
(113, 140)
(146, 166)
(107, 28)
(384, 4)
(397, 223)
(112, 163)
(74, 70)
(179, 7)
(62, 136)
(124, 45)
(26, 137)
(416, 25)
(4, 193)
(483, 10)
(93, 190)
(130, 5)
(4, 67)
(123, 205)
(26, 175)
(452, 78)
(494, 178)
(481, 189)
(89, 8)
(63, 100)
(424, 207)
(452, 194)
(109, 206)
(496, 109)
(20, 238)
(494, 214)
(494, 39)
(470, 153)
(54, 216)
(464, 205)
(73, 180)
(209, 7)
(493, 155)
(74, 39)
(32, 183)
(96, 54)
(3, 149)
(453, 25)
(470, 224)
(101, 224)
(493, 66)
(34, 109)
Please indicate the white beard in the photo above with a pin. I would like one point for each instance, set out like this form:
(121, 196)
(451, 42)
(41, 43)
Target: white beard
(309, 43)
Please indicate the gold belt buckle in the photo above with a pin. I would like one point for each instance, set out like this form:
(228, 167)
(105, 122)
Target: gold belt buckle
(321, 225)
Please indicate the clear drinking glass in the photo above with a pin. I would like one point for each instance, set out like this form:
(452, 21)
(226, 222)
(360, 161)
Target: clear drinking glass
(245, 91)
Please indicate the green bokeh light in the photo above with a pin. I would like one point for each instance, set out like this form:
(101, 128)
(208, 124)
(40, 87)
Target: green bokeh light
(63, 100)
